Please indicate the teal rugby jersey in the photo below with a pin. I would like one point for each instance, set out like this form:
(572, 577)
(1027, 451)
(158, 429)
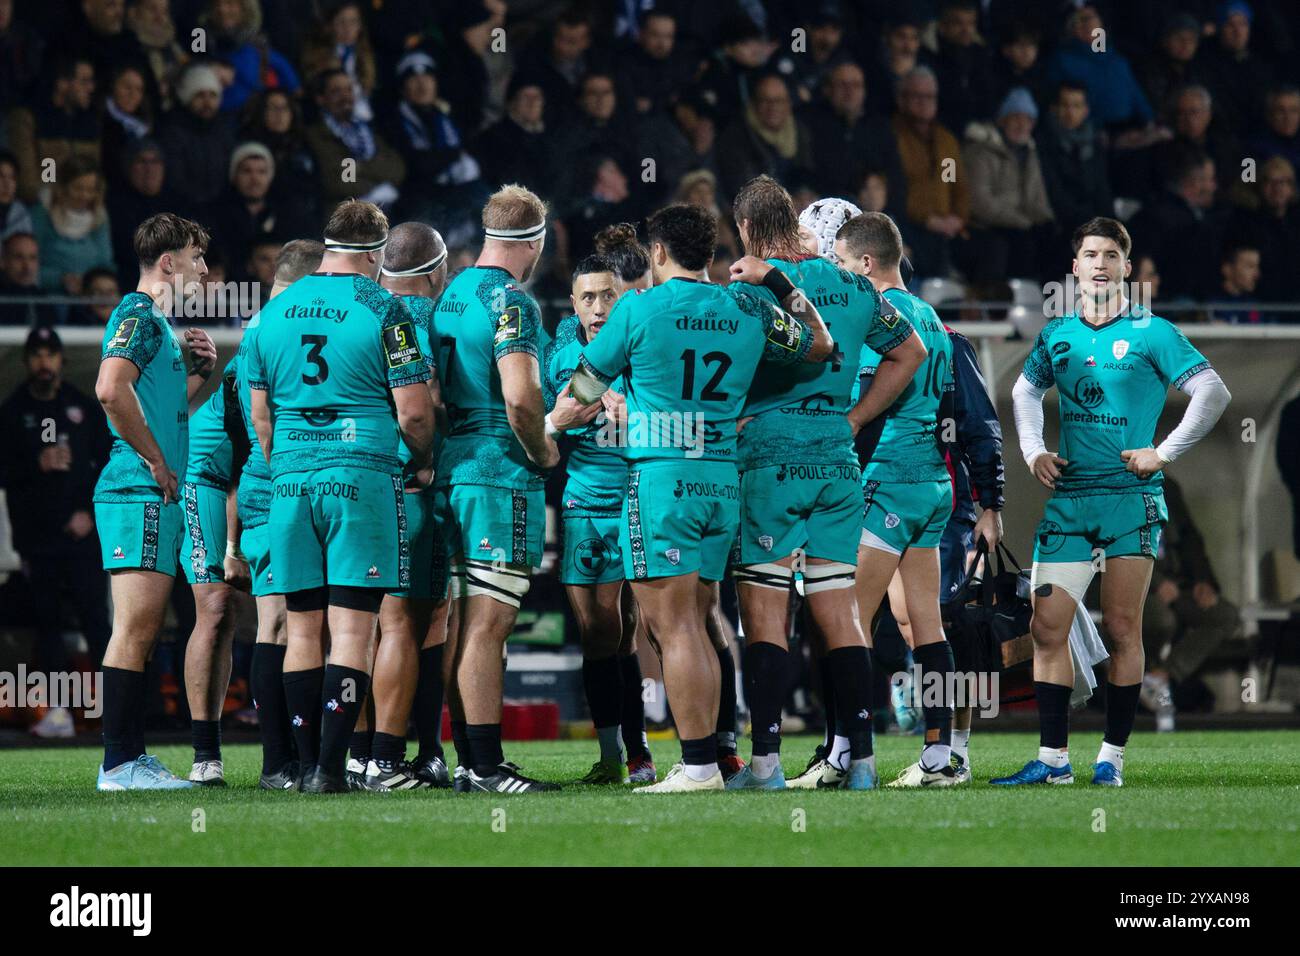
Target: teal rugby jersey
(255, 479)
(799, 410)
(327, 351)
(210, 449)
(688, 352)
(909, 449)
(1112, 380)
(597, 469)
(421, 309)
(138, 332)
(482, 316)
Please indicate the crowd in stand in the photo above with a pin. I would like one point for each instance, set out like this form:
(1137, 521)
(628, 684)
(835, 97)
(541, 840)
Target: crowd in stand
(988, 129)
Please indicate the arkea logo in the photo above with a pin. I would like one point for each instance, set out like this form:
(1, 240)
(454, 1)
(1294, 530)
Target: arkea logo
(76, 909)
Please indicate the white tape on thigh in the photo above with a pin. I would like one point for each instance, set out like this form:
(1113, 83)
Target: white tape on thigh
(777, 577)
(828, 577)
(504, 583)
(456, 580)
(870, 540)
(1073, 577)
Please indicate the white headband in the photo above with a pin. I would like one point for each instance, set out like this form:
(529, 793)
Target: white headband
(334, 245)
(423, 270)
(823, 219)
(527, 234)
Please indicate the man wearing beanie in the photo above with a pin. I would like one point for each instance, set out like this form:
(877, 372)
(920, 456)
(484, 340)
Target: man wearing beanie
(196, 141)
(1008, 200)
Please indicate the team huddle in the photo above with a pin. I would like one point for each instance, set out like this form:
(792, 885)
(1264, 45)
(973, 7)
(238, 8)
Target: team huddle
(372, 467)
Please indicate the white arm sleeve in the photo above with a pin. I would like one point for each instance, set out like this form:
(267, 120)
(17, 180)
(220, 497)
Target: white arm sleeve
(1027, 401)
(1209, 399)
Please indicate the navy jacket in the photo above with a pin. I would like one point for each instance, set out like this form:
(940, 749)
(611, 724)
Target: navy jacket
(976, 455)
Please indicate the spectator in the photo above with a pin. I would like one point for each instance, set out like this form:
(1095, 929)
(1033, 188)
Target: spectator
(128, 115)
(101, 37)
(1010, 215)
(516, 149)
(899, 55)
(20, 263)
(1234, 72)
(1018, 65)
(962, 66)
(697, 121)
(1086, 58)
(594, 129)
(938, 194)
(375, 169)
(60, 128)
(1179, 217)
(1282, 117)
(72, 228)
(731, 71)
(144, 192)
(14, 214)
(1274, 229)
(151, 22)
(274, 119)
(22, 52)
(1238, 277)
(1073, 159)
(766, 139)
(1174, 65)
(466, 33)
(1188, 619)
(340, 42)
(1195, 123)
(444, 183)
(48, 489)
(237, 41)
(602, 202)
(1147, 278)
(195, 138)
(558, 63)
(246, 212)
(875, 194)
(846, 141)
(260, 265)
(100, 285)
(652, 73)
(808, 70)
(700, 188)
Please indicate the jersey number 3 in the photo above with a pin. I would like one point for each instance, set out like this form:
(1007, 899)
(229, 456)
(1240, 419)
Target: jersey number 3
(315, 344)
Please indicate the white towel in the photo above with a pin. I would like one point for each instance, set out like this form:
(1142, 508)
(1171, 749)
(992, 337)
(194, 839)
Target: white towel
(1086, 652)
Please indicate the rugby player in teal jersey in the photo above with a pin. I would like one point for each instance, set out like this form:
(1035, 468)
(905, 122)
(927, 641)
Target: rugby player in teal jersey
(213, 571)
(591, 565)
(337, 376)
(1112, 364)
(408, 678)
(248, 539)
(800, 490)
(145, 389)
(491, 470)
(688, 351)
(907, 489)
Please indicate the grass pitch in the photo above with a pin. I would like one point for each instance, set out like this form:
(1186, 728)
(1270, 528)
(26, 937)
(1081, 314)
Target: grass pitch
(1198, 798)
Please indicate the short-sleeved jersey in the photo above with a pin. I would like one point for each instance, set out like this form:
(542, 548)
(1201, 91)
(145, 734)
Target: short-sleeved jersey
(421, 309)
(138, 332)
(688, 352)
(327, 351)
(481, 317)
(597, 469)
(799, 411)
(210, 449)
(909, 449)
(1112, 380)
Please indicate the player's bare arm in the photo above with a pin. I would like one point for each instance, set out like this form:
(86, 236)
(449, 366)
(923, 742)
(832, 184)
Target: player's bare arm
(203, 359)
(522, 392)
(115, 389)
(262, 426)
(414, 407)
(756, 271)
(896, 369)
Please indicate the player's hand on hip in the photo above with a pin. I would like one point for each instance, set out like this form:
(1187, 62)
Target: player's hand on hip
(570, 413)
(419, 479)
(1143, 462)
(165, 479)
(750, 269)
(237, 572)
(1047, 468)
(989, 528)
(203, 351)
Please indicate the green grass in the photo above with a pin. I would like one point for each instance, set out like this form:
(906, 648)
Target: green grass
(1220, 798)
